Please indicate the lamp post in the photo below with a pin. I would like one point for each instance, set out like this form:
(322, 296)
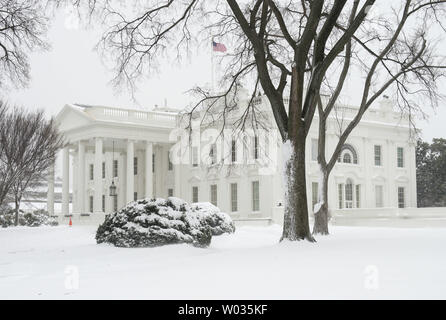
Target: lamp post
(113, 186)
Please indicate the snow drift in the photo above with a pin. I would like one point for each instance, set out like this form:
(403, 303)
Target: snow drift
(157, 222)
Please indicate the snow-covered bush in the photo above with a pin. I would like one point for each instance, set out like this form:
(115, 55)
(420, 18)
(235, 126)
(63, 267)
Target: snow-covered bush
(156, 222)
(218, 221)
(36, 218)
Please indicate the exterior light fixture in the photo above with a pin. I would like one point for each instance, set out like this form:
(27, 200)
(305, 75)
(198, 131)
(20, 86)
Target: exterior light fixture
(113, 186)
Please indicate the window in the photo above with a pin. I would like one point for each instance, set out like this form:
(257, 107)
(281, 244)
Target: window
(358, 195)
(314, 193)
(213, 153)
(400, 157)
(233, 151)
(135, 196)
(169, 163)
(91, 203)
(135, 166)
(379, 196)
(401, 197)
(256, 147)
(314, 149)
(234, 201)
(115, 204)
(194, 156)
(194, 194)
(153, 162)
(349, 194)
(170, 192)
(348, 154)
(255, 196)
(115, 168)
(103, 203)
(340, 195)
(103, 170)
(377, 155)
(214, 194)
(347, 158)
(91, 172)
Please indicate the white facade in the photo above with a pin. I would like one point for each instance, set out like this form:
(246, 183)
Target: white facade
(241, 174)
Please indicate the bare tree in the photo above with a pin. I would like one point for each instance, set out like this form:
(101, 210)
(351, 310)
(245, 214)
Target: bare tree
(5, 177)
(23, 25)
(29, 143)
(402, 50)
(288, 47)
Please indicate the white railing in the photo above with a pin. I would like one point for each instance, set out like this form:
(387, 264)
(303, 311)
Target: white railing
(139, 116)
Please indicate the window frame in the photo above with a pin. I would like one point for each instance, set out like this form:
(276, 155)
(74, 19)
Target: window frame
(256, 147)
(213, 153)
(398, 158)
(401, 204)
(195, 157)
(233, 151)
(234, 196)
(169, 162)
(195, 194)
(379, 204)
(341, 196)
(214, 194)
(377, 155)
(357, 196)
(255, 195)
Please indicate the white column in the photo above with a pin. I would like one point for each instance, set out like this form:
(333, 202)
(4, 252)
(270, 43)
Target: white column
(177, 173)
(413, 175)
(130, 172)
(50, 193)
(149, 173)
(81, 177)
(97, 203)
(66, 181)
(177, 190)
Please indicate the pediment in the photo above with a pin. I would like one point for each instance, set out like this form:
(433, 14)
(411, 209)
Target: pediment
(378, 178)
(70, 118)
(194, 179)
(402, 179)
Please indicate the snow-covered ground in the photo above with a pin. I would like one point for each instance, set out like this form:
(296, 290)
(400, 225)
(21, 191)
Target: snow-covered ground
(354, 262)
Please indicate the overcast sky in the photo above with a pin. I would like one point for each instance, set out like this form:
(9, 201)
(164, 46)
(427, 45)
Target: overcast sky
(72, 72)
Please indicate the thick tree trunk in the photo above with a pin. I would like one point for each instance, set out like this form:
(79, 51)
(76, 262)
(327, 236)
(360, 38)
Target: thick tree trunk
(321, 217)
(296, 224)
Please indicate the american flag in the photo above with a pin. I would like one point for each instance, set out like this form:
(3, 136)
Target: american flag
(220, 47)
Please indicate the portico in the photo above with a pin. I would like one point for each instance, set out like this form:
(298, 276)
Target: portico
(104, 145)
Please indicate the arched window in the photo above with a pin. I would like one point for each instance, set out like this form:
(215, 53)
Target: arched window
(348, 154)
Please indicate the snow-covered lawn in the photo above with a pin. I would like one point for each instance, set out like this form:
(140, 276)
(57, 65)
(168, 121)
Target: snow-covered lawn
(353, 262)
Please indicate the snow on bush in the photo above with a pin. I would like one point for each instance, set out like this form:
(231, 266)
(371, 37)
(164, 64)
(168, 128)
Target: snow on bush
(156, 222)
(31, 219)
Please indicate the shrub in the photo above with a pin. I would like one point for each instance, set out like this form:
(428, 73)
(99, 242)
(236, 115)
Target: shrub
(36, 218)
(156, 222)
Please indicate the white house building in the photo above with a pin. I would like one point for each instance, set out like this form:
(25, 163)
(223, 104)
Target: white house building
(240, 173)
